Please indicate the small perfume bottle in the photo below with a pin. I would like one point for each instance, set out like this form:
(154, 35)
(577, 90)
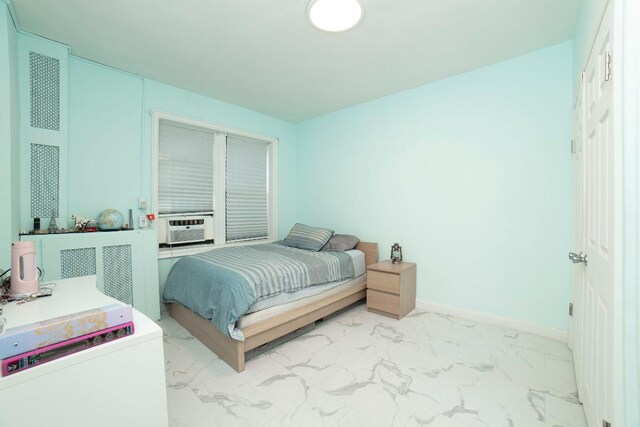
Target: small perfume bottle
(53, 226)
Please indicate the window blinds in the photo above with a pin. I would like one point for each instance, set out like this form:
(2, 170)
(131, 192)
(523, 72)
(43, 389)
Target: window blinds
(185, 169)
(246, 189)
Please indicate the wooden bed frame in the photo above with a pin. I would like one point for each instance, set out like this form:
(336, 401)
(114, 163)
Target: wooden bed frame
(267, 330)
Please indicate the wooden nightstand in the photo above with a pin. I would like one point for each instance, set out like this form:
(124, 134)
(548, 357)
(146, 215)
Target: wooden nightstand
(391, 288)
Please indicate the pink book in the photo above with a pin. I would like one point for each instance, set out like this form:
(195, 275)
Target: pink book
(21, 339)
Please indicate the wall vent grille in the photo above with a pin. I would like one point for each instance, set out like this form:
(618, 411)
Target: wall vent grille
(44, 81)
(45, 180)
(77, 262)
(118, 275)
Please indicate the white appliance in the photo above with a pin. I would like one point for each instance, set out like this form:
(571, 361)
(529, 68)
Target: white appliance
(24, 271)
(178, 230)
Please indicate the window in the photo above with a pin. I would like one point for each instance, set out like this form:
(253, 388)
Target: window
(185, 169)
(217, 183)
(246, 189)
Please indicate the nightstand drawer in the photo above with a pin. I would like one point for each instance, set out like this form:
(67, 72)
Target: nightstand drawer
(386, 282)
(383, 302)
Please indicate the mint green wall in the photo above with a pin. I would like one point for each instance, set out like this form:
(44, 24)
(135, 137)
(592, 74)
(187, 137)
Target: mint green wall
(471, 175)
(105, 144)
(9, 138)
(15, 128)
(164, 267)
(587, 23)
(5, 142)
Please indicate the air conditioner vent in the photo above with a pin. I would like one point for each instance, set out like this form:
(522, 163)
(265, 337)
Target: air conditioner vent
(186, 235)
(77, 262)
(44, 84)
(118, 272)
(45, 180)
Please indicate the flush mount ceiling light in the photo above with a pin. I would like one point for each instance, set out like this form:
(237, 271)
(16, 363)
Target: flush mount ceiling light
(335, 16)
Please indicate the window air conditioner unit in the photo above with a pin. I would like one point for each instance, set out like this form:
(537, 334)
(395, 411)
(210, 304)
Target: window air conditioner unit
(179, 230)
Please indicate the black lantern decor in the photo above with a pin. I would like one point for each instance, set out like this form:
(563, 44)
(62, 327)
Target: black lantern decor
(396, 253)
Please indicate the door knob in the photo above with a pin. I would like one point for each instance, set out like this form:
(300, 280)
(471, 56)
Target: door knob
(578, 258)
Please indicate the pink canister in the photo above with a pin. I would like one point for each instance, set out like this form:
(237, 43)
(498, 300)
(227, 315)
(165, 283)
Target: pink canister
(24, 269)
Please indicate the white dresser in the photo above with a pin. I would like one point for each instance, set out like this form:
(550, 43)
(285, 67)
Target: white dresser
(120, 383)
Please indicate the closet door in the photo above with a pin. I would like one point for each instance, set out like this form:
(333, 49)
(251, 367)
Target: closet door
(577, 274)
(595, 336)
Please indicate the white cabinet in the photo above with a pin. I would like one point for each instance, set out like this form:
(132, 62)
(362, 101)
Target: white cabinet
(119, 383)
(125, 263)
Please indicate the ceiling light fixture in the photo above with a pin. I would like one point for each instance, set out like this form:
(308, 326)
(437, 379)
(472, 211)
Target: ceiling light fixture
(335, 16)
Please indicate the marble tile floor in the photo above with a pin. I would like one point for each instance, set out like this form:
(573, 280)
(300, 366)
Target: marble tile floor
(363, 369)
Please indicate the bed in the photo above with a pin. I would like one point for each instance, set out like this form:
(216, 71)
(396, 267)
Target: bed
(265, 322)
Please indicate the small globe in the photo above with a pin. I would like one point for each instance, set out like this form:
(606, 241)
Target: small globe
(110, 219)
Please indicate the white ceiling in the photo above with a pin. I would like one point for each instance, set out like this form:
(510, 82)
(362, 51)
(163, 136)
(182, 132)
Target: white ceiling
(264, 55)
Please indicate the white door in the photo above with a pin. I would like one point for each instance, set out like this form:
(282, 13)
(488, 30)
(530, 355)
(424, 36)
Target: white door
(578, 288)
(594, 335)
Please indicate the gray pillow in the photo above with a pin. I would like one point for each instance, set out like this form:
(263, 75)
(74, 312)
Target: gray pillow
(304, 237)
(341, 243)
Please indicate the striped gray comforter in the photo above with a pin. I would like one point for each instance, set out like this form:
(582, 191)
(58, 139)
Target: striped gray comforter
(223, 283)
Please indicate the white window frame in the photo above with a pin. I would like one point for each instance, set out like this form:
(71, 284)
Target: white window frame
(219, 216)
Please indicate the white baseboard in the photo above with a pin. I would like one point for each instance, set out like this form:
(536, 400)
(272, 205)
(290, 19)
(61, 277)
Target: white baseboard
(492, 319)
